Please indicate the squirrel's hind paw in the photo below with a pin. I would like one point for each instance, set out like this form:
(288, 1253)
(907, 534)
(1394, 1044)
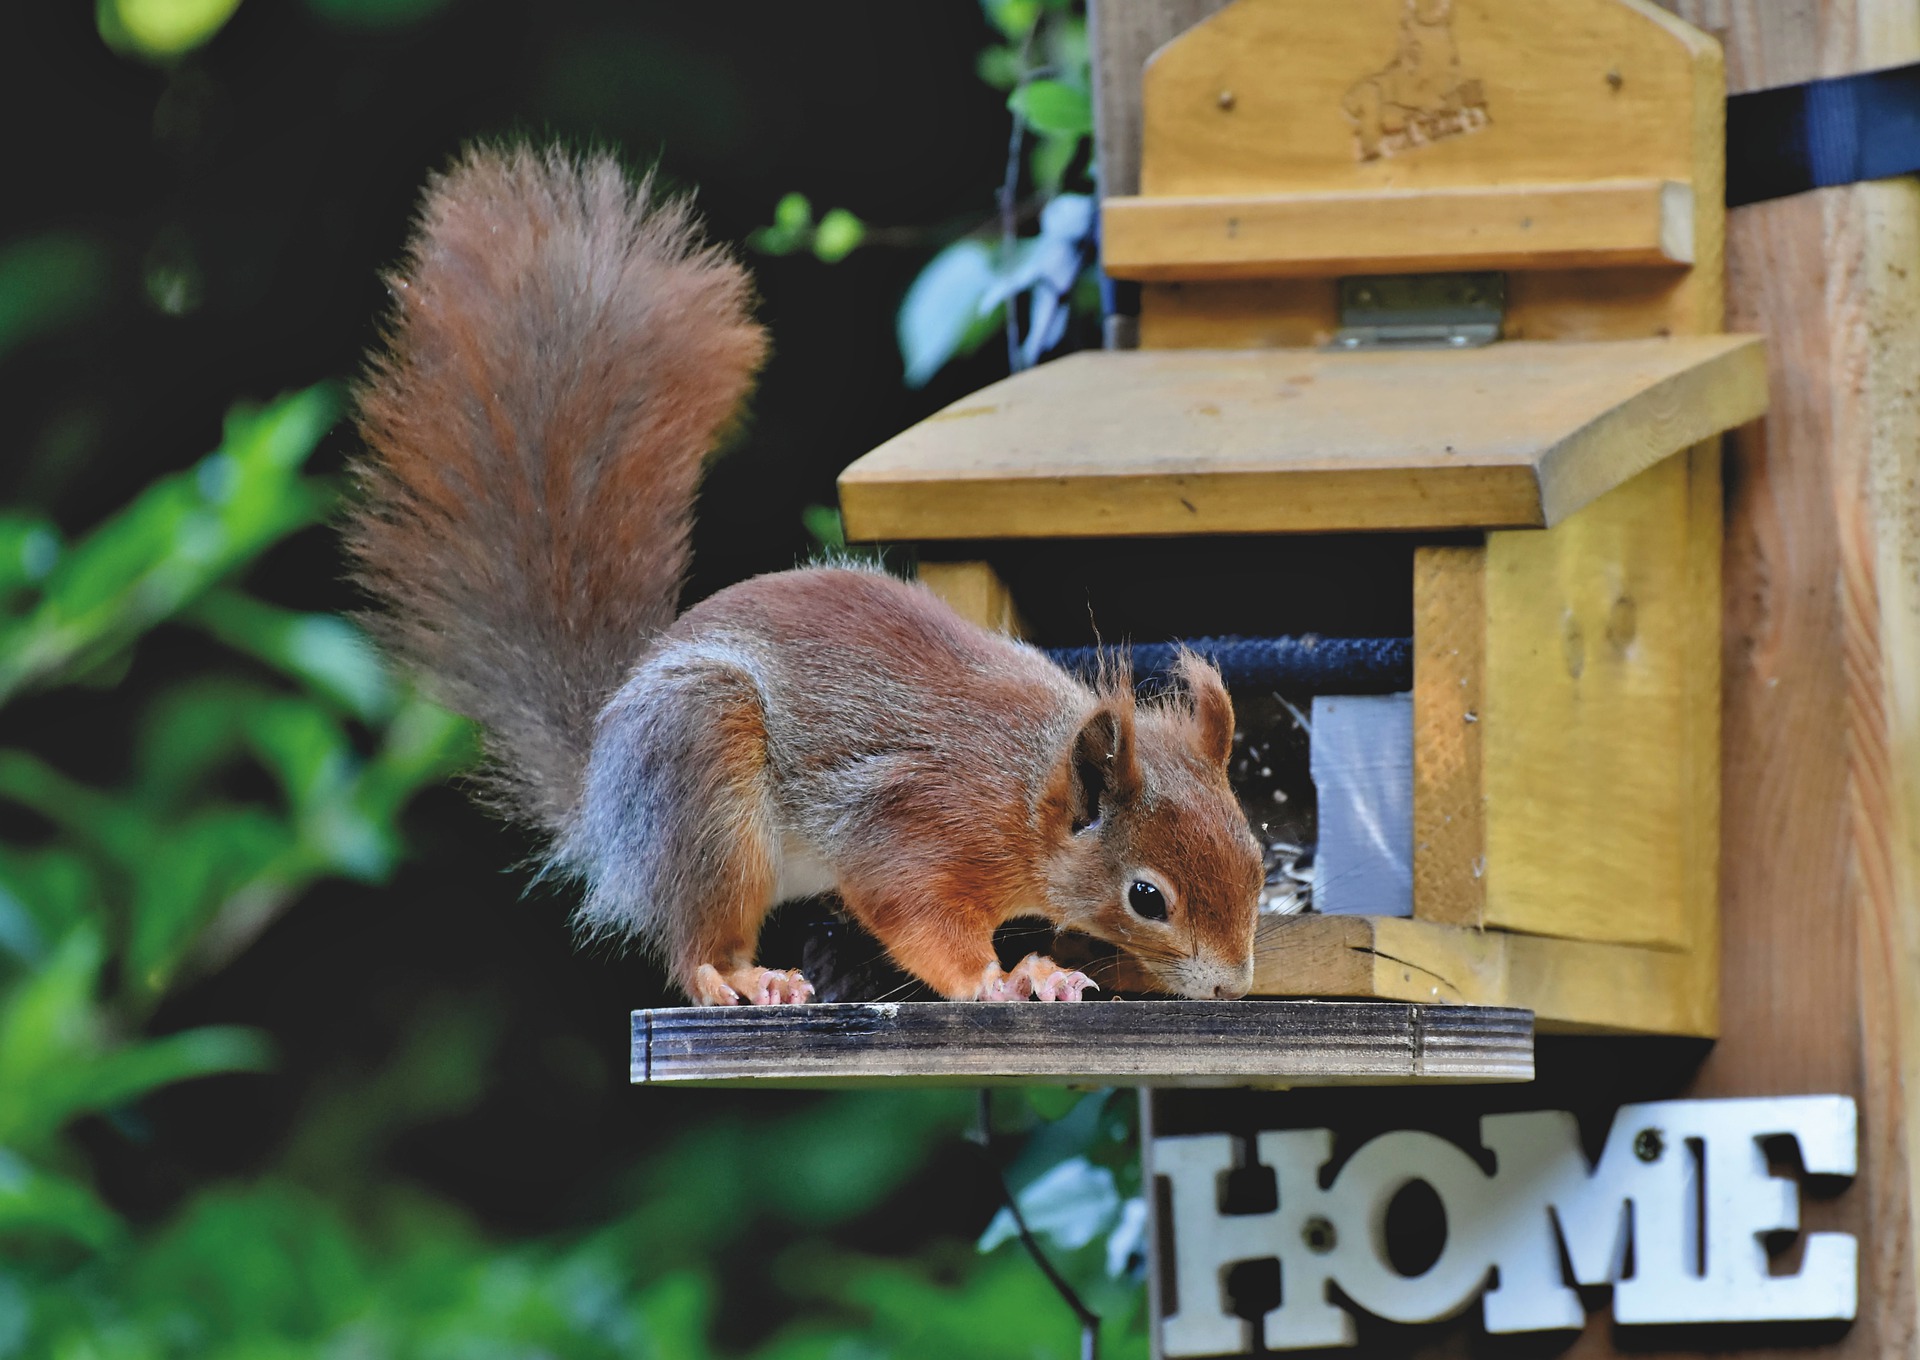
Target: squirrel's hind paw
(1036, 977)
(753, 986)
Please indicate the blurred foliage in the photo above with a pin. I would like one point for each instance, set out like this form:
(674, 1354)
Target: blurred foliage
(191, 766)
(126, 892)
(989, 279)
(160, 30)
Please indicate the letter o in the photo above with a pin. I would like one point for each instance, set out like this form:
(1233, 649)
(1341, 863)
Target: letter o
(1365, 1187)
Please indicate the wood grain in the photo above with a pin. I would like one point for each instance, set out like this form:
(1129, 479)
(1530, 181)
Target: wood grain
(1145, 1043)
(1599, 224)
(1449, 682)
(1571, 986)
(1182, 442)
(1593, 760)
(1819, 907)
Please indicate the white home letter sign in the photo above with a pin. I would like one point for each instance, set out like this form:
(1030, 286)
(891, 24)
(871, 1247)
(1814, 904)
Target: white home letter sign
(1682, 1183)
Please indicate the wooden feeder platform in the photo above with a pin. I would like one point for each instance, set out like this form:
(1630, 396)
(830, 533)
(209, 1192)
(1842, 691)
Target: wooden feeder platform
(1094, 1043)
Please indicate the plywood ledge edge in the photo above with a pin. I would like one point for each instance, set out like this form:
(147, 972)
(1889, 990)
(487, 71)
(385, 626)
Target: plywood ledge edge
(1578, 225)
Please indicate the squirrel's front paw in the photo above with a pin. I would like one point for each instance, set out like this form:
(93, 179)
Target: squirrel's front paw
(754, 986)
(1035, 976)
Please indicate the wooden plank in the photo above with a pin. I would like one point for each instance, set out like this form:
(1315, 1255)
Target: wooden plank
(1449, 677)
(1094, 1043)
(1509, 226)
(1570, 986)
(975, 592)
(1184, 442)
(1818, 814)
(1593, 759)
(1240, 314)
(1821, 912)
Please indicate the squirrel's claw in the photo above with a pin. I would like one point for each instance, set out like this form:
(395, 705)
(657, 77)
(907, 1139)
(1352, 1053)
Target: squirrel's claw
(753, 986)
(710, 989)
(1035, 976)
(781, 987)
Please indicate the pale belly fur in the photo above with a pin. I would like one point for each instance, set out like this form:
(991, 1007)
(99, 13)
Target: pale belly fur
(802, 873)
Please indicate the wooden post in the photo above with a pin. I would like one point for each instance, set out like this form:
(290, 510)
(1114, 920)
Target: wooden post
(1821, 699)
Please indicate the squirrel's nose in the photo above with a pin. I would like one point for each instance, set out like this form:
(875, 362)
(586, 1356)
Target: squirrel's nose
(1230, 991)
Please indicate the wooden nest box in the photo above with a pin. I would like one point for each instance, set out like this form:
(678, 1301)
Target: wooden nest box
(1337, 204)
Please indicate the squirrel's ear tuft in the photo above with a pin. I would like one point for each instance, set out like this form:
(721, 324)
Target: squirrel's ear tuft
(1104, 769)
(1212, 707)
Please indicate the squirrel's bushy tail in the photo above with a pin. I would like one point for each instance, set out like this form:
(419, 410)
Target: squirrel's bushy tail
(562, 354)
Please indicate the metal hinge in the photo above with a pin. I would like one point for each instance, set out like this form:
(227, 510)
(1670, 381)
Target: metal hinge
(1420, 311)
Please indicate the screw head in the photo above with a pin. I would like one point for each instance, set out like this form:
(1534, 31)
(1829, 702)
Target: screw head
(1648, 1145)
(1225, 99)
(1319, 1235)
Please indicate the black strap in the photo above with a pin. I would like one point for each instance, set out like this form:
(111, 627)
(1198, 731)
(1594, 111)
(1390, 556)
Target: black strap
(1305, 665)
(1825, 132)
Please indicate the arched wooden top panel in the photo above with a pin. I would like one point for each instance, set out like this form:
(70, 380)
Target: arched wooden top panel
(1293, 139)
(1302, 95)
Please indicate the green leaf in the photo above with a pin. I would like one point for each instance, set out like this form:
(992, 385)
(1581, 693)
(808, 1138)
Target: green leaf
(160, 30)
(37, 1203)
(57, 1062)
(304, 747)
(793, 212)
(1000, 67)
(180, 537)
(189, 733)
(126, 1073)
(823, 523)
(838, 236)
(123, 832)
(203, 863)
(940, 316)
(271, 1268)
(1051, 1102)
(1014, 18)
(1051, 157)
(792, 227)
(29, 550)
(323, 651)
(44, 894)
(423, 745)
(1049, 106)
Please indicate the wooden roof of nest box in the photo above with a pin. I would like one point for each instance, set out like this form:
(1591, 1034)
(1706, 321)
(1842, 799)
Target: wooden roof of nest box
(1512, 435)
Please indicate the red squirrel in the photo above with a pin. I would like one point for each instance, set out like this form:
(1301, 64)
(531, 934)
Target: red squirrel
(563, 351)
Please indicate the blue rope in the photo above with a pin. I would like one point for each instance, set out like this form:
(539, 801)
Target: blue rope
(1309, 664)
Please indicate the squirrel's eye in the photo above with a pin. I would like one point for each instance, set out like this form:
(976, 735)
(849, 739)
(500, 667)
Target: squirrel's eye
(1147, 901)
